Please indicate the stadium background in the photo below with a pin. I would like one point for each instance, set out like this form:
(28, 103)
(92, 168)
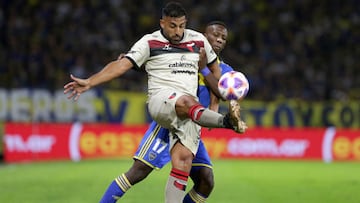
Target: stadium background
(294, 49)
(301, 56)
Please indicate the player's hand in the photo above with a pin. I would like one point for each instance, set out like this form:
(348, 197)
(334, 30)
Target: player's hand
(202, 58)
(76, 87)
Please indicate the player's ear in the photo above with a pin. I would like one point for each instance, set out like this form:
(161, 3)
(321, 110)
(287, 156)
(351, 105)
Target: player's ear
(162, 23)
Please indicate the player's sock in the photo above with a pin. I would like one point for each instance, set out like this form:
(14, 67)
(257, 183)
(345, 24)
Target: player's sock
(194, 197)
(116, 189)
(176, 186)
(206, 117)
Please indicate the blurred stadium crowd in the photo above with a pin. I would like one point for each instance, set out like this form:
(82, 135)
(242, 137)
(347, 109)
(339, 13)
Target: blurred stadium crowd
(302, 49)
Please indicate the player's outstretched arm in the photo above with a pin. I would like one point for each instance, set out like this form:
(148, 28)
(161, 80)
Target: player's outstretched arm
(112, 70)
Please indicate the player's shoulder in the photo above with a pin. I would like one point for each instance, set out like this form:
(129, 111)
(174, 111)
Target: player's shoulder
(156, 35)
(153, 38)
(193, 34)
(222, 63)
(225, 67)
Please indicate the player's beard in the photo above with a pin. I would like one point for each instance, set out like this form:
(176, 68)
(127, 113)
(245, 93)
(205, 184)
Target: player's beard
(175, 39)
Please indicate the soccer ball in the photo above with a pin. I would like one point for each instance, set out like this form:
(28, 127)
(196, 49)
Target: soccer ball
(233, 85)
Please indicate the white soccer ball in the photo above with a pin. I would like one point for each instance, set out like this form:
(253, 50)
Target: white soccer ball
(233, 85)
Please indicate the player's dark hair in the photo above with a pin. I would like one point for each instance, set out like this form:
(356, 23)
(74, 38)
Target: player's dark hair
(216, 22)
(173, 9)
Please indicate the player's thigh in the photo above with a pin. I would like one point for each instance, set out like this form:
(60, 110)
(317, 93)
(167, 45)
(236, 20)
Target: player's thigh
(202, 158)
(187, 133)
(183, 105)
(162, 107)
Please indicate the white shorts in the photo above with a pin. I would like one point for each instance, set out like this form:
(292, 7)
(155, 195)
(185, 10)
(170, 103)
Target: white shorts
(162, 109)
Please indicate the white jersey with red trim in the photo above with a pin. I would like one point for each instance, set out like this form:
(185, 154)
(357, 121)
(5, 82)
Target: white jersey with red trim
(171, 66)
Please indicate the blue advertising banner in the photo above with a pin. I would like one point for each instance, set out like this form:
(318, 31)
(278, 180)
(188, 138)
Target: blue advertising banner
(41, 105)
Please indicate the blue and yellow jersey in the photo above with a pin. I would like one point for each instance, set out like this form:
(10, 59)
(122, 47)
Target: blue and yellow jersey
(203, 90)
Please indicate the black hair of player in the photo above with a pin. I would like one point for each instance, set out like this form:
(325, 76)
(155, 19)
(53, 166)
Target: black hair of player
(174, 10)
(216, 22)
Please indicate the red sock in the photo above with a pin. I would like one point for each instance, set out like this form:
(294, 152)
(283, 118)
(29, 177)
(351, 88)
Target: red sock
(195, 112)
(181, 178)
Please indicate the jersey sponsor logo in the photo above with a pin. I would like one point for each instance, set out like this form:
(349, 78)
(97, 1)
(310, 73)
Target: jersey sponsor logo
(182, 65)
(167, 47)
(189, 72)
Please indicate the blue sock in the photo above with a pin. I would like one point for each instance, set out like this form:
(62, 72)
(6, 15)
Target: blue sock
(116, 190)
(193, 197)
(187, 199)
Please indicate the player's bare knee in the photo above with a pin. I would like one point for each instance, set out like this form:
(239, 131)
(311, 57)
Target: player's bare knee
(207, 177)
(183, 104)
(184, 156)
(190, 101)
(181, 157)
(138, 172)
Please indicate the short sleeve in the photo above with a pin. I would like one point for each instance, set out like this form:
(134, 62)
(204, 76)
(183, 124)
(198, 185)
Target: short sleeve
(139, 52)
(210, 53)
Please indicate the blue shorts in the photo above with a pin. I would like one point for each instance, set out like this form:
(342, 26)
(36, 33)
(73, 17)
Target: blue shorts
(154, 149)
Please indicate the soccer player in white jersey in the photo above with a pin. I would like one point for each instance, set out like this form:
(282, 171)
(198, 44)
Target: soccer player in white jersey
(171, 57)
(153, 150)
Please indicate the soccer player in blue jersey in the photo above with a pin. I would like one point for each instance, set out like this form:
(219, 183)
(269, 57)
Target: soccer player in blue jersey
(153, 151)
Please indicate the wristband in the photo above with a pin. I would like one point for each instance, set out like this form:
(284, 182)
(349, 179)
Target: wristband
(205, 71)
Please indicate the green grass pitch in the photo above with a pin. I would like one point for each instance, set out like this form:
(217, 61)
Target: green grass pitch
(235, 181)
